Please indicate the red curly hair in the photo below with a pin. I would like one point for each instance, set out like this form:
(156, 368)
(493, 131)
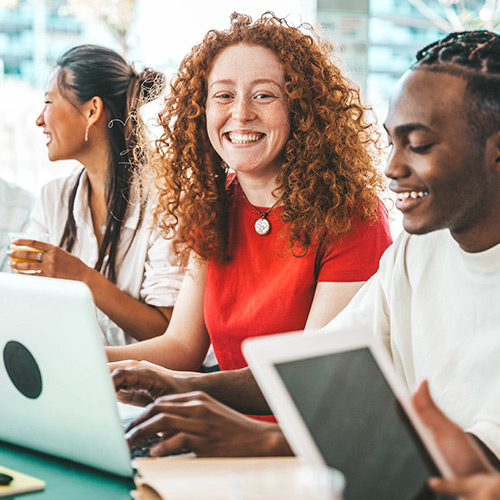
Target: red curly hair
(329, 175)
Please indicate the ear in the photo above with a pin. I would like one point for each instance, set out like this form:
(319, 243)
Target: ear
(492, 151)
(497, 148)
(94, 110)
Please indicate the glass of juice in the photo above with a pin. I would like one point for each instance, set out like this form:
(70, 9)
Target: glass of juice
(43, 237)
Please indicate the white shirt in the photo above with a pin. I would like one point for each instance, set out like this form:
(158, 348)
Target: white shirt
(15, 208)
(437, 310)
(144, 268)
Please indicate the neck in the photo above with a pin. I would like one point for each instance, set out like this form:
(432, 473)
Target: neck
(484, 234)
(259, 192)
(97, 181)
(95, 156)
(97, 203)
(96, 162)
(477, 241)
(97, 173)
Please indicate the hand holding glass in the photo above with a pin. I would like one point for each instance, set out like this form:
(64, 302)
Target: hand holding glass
(42, 237)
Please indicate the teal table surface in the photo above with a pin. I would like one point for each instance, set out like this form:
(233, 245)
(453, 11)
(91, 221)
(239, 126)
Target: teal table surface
(64, 480)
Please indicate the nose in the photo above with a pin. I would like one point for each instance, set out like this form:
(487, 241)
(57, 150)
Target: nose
(243, 109)
(40, 121)
(396, 166)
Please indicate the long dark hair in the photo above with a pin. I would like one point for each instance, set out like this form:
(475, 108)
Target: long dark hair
(87, 71)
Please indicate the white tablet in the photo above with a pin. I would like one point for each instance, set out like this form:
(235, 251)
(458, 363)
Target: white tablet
(340, 402)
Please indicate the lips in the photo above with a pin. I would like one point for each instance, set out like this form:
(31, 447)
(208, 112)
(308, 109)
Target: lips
(243, 138)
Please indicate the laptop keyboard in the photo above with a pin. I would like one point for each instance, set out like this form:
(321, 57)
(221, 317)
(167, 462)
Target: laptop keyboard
(142, 449)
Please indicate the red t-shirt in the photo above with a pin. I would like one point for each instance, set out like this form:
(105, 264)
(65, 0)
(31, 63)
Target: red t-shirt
(264, 290)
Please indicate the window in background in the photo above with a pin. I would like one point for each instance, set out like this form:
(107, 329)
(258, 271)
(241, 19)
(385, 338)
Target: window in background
(381, 37)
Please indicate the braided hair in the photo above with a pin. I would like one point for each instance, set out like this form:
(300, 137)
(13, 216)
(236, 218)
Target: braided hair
(475, 57)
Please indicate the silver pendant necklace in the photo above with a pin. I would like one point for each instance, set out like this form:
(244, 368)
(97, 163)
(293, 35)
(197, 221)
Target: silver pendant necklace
(262, 225)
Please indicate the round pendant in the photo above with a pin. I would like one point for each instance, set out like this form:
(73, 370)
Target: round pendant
(262, 226)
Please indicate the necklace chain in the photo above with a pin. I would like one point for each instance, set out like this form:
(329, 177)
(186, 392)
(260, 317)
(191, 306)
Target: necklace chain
(262, 226)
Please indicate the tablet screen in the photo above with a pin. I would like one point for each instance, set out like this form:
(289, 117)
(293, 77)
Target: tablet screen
(358, 426)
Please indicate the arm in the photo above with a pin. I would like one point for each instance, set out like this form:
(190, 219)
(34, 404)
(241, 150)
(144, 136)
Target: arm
(475, 487)
(461, 451)
(235, 388)
(458, 447)
(196, 422)
(329, 300)
(185, 343)
(191, 421)
(136, 318)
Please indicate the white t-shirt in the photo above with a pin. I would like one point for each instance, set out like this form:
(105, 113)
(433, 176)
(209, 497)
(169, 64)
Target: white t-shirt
(437, 310)
(144, 272)
(15, 208)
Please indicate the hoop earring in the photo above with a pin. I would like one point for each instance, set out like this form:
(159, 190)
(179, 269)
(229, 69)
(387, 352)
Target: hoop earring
(87, 132)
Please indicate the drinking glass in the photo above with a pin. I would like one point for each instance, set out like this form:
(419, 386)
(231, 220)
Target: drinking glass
(30, 235)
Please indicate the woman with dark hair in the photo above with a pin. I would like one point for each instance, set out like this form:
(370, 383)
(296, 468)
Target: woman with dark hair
(97, 219)
(267, 174)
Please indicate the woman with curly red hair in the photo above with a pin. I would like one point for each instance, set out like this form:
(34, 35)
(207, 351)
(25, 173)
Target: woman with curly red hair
(267, 174)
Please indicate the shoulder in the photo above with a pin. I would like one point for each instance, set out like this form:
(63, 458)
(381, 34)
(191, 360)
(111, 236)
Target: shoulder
(412, 251)
(61, 184)
(57, 191)
(372, 233)
(355, 256)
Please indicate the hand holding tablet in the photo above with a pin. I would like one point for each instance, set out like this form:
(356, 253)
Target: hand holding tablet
(340, 403)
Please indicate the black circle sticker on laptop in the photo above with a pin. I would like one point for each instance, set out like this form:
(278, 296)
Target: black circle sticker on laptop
(22, 369)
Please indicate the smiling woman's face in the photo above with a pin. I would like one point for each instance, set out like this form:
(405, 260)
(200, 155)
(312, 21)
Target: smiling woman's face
(247, 109)
(62, 123)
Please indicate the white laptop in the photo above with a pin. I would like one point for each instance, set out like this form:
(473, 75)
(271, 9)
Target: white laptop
(56, 394)
(339, 402)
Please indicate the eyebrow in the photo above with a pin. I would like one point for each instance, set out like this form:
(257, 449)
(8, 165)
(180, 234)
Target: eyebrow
(405, 129)
(259, 81)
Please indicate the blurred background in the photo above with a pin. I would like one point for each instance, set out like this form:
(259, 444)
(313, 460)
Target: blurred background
(378, 39)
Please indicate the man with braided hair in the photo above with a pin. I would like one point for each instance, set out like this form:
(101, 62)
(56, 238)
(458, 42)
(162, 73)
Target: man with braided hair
(434, 300)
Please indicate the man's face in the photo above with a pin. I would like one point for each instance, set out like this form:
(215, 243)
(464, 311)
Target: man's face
(438, 166)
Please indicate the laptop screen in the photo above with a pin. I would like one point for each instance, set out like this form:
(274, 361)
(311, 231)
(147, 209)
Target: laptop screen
(358, 425)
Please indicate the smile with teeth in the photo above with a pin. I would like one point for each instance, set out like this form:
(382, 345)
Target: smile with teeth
(243, 138)
(411, 194)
